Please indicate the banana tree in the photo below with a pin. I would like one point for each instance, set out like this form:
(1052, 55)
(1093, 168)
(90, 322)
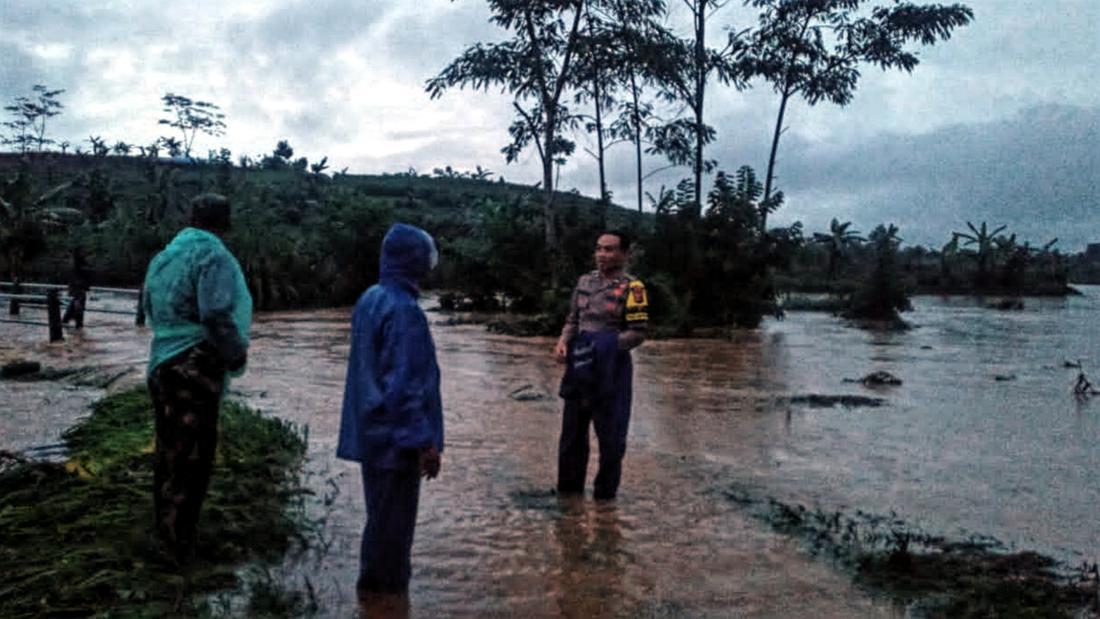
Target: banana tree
(982, 240)
(837, 242)
(25, 220)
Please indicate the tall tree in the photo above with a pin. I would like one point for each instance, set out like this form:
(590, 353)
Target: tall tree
(192, 117)
(20, 128)
(692, 64)
(537, 65)
(813, 48)
(597, 84)
(30, 115)
(614, 60)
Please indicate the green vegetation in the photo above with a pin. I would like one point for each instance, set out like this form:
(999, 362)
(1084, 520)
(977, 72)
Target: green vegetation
(76, 538)
(930, 574)
(306, 239)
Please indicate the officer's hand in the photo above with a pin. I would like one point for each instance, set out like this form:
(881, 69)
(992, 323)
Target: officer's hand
(430, 461)
(560, 351)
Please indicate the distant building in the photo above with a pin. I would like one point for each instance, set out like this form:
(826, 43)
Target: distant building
(1092, 252)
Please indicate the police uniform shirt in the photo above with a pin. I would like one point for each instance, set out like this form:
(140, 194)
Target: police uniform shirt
(618, 304)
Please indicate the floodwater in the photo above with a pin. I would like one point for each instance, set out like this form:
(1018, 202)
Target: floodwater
(953, 451)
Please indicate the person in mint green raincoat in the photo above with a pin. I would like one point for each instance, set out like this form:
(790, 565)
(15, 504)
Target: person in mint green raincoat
(200, 311)
(392, 418)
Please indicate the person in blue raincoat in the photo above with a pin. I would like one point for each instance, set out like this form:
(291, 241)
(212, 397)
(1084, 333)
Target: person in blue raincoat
(392, 417)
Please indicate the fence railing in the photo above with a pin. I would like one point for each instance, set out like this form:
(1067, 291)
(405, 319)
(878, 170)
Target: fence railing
(48, 296)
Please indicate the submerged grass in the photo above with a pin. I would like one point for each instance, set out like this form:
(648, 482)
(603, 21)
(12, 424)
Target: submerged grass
(76, 539)
(931, 575)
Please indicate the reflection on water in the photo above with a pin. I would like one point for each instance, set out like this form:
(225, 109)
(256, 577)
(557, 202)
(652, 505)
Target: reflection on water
(953, 450)
(589, 579)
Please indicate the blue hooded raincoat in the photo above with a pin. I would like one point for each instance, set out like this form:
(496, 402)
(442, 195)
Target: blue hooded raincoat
(392, 407)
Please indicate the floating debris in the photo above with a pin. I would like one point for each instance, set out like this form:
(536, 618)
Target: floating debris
(1082, 387)
(527, 393)
(817, 400)
(880, 377)
(100, 377)
(19, 367)
(1004, 377)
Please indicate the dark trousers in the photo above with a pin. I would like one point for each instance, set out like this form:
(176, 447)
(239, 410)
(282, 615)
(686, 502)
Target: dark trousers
(392, 497)
(75, 309)
(186, 392)
(611, 418)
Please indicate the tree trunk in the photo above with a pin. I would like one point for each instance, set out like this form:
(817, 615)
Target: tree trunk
(637, 137)
(550, 229)
(700, 86)
(771, 157)
(599, 141)
(548, 182)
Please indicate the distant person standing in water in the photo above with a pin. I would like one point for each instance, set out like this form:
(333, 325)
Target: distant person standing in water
(80, 280)
(200, 311)
(392, 417)
(607, 319)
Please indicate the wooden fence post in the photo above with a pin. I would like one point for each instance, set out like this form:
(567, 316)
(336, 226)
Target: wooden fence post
(53, 310)
(13, 306)
(139, 317)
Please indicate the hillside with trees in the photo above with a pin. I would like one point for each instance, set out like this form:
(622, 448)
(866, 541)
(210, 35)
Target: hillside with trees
(307, 236)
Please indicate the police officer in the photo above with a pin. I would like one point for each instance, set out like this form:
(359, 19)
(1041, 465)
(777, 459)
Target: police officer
(607, 319)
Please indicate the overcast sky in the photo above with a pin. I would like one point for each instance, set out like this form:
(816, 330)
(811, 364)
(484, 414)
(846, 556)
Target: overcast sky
(999, 123)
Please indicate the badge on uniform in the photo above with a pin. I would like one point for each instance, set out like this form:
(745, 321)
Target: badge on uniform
(637, 302)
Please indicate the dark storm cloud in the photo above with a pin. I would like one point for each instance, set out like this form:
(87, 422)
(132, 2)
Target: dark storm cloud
(1037, 172)
(391, 38)
(423, 42)
(19, 71)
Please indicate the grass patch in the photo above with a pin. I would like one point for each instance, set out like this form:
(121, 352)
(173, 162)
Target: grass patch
(76, 539)
(932, 575)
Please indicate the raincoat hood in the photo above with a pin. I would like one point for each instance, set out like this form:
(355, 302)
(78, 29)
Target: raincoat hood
(408, 254)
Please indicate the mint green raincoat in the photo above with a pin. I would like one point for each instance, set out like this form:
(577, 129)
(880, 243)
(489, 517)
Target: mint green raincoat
(193, 289)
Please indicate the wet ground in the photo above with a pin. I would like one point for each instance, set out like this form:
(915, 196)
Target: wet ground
(953, 450)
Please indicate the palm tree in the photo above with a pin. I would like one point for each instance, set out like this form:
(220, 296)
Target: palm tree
(983, 239)
(99, 146)
(837, 243)
(173, 146)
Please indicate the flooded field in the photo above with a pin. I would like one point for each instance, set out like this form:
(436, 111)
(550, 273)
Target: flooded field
(984, 436)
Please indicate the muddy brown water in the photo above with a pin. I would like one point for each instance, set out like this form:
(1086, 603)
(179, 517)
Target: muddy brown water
(954, 450)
